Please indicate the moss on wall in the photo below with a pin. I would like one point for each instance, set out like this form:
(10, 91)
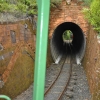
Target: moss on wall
(21, 75)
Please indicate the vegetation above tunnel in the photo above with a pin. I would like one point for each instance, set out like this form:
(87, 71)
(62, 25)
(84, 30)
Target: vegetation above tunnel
(22, 6)
(92, 14)
(87, 2)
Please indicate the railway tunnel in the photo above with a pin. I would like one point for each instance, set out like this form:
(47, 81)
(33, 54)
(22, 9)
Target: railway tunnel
(60, 47)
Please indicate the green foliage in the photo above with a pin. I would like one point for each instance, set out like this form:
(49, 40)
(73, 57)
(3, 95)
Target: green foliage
(55, 3)
(93, 14)
(23, 6)
(87, 2)
(67, 35)
(4, 6)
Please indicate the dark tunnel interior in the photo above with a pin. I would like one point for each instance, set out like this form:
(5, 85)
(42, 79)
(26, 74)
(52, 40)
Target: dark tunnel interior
(59, 46)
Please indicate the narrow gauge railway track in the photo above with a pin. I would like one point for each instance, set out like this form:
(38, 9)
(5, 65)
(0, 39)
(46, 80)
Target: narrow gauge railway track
(56, 89)
(55, 77)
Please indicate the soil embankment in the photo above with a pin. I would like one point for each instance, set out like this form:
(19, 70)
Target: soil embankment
(92, 63)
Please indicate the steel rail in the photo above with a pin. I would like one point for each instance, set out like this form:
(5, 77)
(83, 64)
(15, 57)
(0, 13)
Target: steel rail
(53, 83)
(70, 73)
(66, 83)
(71, 64)
(46, 92)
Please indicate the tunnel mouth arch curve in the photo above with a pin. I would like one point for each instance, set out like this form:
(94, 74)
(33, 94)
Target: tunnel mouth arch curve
(59, 47)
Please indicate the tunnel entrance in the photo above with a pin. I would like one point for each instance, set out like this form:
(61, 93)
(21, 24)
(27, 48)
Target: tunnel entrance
(67, 36)
(67, 39)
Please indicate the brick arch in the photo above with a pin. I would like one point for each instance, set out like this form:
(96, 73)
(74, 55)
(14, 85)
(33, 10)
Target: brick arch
(68, 13)
(75, 48)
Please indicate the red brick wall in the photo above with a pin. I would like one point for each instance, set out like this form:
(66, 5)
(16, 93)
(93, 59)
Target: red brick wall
(68, 13)
(18, 28)
(73, 13)
(92, 63)
(17, 67)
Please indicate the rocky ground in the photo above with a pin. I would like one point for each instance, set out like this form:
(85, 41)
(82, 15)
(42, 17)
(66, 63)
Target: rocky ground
(8, 17)
(80, 89)
(51, 71)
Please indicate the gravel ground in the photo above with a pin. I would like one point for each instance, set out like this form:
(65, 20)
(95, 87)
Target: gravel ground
(51, 73)
(60, 84)
(80, 86)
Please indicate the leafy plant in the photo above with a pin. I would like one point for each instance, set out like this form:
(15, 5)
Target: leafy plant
(93, 14)
(67, 35)
(87, 2)
(55, 3)
(22, 6)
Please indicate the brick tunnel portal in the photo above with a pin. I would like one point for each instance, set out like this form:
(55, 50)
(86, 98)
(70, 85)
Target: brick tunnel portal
(60, 47)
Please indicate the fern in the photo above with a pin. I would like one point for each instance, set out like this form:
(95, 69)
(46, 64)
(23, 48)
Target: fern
(93, 14)
(87, 2)
(55, 3)
(22, 6)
